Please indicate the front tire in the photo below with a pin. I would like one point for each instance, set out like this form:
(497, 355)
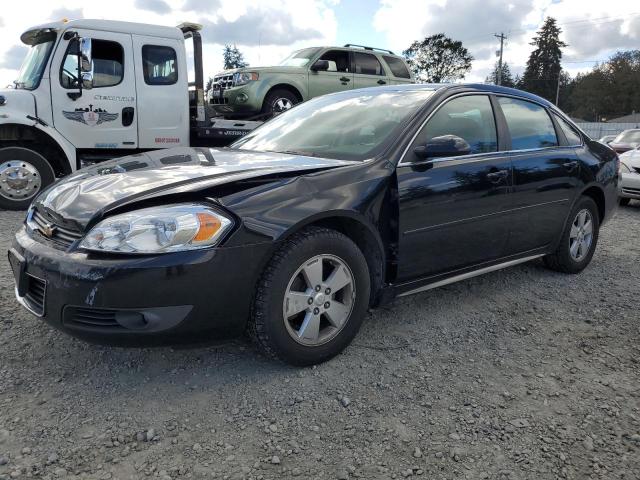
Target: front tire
(278, 101)
(579, 239)
(23, 174)
(311, 298)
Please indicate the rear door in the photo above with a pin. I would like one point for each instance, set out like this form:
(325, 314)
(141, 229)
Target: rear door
(98, 118)
(368, 71)
(338, 77)
(162, 88)
(546, 175)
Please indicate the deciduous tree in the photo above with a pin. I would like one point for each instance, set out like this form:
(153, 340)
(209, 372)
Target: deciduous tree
(438, 59)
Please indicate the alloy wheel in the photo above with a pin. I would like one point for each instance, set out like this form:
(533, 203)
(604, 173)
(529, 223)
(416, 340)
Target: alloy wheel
(318, 300)
(281, 105)
(581, 235)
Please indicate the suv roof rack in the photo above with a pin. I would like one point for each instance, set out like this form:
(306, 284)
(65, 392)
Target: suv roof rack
(369, 48)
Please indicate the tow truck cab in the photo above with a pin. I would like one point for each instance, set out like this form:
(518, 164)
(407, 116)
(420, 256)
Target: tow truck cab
(90, 90)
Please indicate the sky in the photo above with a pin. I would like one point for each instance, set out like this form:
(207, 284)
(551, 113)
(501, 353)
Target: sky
(266, 31)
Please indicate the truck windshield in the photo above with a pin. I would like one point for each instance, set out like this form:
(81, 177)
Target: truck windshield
(345, 126)
(34, 63)
(299, 58)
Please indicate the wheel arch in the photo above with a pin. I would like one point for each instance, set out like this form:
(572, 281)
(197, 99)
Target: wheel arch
(284, 86)
(596, 193)
(61, 157)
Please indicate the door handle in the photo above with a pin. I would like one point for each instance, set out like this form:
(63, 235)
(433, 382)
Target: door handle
(127, 116)
(497, 177)
(381, 82)
(345, 79)
(570, 166)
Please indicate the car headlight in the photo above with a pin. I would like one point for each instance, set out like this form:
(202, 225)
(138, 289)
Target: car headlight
(158, 230)
(242, 78)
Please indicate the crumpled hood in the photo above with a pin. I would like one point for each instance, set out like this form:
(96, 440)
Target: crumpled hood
(631, 158)
(108, 185)
(17, 102)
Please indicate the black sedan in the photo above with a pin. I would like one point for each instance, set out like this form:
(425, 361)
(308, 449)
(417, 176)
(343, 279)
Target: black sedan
(340, 204)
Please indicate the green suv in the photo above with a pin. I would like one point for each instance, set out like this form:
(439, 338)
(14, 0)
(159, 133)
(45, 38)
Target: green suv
(304, 74)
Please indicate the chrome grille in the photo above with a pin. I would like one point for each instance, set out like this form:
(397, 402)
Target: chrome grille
(222, 82)
(62, 236)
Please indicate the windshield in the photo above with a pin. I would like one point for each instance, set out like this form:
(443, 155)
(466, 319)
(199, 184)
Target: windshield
(630, 136)
(299, 58)
(34, 63)
(345, 126)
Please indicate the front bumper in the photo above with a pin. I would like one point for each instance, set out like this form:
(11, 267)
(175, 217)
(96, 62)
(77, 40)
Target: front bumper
(630, 185)
(231, 101)
(173, 298)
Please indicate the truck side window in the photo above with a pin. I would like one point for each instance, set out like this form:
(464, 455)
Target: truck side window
(108, 64)
(397, 66)
(159, 64)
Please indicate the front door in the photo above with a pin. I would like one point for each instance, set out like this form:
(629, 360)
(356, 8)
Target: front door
(453, 210)
(338, 77)
(102, 117)
(546, 175)
(368, 71)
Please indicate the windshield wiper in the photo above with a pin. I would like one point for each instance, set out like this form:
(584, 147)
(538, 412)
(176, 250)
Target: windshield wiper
(295, 152)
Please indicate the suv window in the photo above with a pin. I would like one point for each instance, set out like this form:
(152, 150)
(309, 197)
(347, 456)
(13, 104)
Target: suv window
(470, 117)
(367, 64)
(338, 60)
(529, 124)
(159, 64)
(397, 66)
(108, 64)
(573, 137)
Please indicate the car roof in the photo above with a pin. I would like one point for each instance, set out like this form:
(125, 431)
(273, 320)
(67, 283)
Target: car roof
(462, 87)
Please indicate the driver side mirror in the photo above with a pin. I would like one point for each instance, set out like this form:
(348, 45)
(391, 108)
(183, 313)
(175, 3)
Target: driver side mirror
(443, 146)
(320, 66)
(86, 64)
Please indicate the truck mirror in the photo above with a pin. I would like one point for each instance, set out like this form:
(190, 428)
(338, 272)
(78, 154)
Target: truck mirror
(87, 80)
(86, 64)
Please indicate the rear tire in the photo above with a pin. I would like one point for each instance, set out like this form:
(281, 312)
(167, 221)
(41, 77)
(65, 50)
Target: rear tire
(624, 201)
(296, 316)
(579, 239)
(278, 101)
(24, 173)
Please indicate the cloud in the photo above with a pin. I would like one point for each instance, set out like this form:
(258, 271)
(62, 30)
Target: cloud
(201, 6)
(1, 22)
(258, 27)
(156, 6)
(68, 13)
(13, 57)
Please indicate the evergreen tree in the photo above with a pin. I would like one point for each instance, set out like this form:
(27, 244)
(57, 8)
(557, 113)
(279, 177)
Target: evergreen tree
(438, 59)
(507, 77)
(543, 67)
(232, 57)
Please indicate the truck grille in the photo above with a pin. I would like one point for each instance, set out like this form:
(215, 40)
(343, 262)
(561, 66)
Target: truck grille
(222, 82)
(61, 236)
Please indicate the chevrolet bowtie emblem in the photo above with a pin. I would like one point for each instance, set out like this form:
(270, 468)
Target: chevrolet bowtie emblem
(47, 230)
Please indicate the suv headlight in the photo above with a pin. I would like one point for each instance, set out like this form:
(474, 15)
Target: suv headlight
(242, 78)
(158, 230)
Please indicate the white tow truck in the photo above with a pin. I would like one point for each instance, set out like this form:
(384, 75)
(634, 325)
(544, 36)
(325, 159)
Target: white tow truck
(91, 90)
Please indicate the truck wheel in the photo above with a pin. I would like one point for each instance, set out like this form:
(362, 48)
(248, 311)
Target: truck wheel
(23, 174)
(311, 298)
(579, 239)
(278, 101)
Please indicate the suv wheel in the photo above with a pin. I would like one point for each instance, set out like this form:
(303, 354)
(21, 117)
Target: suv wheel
(312, 298)
(579, 239)
(23, 174)
(278, 101)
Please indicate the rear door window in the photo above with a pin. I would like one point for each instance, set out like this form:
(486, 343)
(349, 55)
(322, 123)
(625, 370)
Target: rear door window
(160, 65)
(573, 137)
(397, 67)
(529, 124)
(367, 64)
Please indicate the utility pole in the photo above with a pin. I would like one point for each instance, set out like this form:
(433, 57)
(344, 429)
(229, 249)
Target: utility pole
(502, 38)
(558, 87)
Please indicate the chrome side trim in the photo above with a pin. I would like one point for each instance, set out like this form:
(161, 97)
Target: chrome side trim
(475, 273)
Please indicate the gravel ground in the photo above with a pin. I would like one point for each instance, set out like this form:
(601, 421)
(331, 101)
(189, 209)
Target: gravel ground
(519, 374)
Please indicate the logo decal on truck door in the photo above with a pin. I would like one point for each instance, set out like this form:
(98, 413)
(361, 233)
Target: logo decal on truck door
(89, 116)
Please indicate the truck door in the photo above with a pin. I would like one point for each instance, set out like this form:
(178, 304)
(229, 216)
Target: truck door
(104, 116)
(338, 77)
(162, 87)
